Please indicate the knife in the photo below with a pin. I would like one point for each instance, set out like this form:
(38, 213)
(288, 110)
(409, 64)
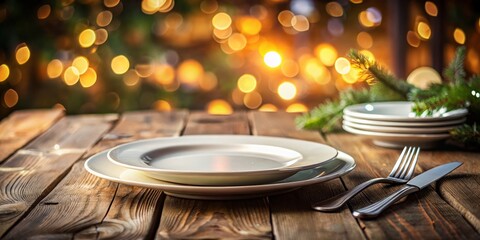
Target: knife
(414, 185)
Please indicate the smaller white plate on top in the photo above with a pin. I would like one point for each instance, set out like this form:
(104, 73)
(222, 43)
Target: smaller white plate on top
(221, 159)
(400, 140)
(404, 124)
(387, 129)
(397, 111)
(100, 166)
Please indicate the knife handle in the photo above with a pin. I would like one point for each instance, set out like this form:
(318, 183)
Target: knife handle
(375, 209)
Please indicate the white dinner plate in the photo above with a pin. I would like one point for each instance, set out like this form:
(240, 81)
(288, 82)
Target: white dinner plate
(387, 129)
(100, 166)
(397, 111)
(221, 159)
(404, 124)
(399, 140)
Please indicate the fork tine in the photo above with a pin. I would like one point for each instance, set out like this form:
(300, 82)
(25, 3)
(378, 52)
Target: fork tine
(408, 159)
(412, 166)
(399, 160)
(404, 163)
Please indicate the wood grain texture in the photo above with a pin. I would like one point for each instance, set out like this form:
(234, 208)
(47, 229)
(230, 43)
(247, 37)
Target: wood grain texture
(461, 189)
(83, 206)
(422, 215)
(193, 219)
(305, 223)
(42, 163)
(22, 126)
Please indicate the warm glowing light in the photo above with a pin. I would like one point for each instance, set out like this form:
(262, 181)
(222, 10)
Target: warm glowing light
(368, 54)
(413, 39)
(249, 25)
(424, 30)
(164, 74)
(459, 36)
(162, 105)
(247, 83)
(364, 40)
(374, 16)
(296, 107)
(222, 34)
(44, 11)
(81, 64)
(190, 72)
(152, 6)
(363, 19)
(22, 54)
(300, 23)
(10, 98)
(352, 76)
(272, 59)
(356, 1)
(130, 78)
(104, 18)
(252, 100)
(144, 70)
(431, 8)
(219, 106)
(237, 41)
(111, 3)
(290, 68)
(4, 72)
(326, 53)
(166, 6)
(87, 38)
(209, 81)
(268, 107)
(54, 68)
(334, 9)
(313, 70)
(237, 96)
(120, 64)
(71, 76)
(287, 90)
(89, 78)
(285, 18)
(342, 65)
(423, 77)
(221, 21)
(101, 36)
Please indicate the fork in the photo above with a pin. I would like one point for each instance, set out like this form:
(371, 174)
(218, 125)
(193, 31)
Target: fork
(401, 173)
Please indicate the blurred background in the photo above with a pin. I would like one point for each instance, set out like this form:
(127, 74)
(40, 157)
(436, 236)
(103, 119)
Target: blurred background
(95, 56)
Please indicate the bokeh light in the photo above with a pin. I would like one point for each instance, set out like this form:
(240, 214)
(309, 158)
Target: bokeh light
(342, 65)
(81, 64)
(247, 83)
(268, 107)
(89, 78)
(54, 68)
(431, 9)
(334, 9)
(219, 107)
(285, 18)
(459, 36)
(237, 41)
(130, 78)
(71, 76)
(22, 54)
(252, 100)
(326, 53)
(364, 40)
(162, 105)
(249, 25)
(10, 98)
(296, 108)
(287, 90)
(221, 21)
(44, 11)
(272, 59)
(4, 72)
(104, 18)
(290, 68)
(190, 72)
(87, 38)
(413, 39)
(300, 23)
(111, 3)
(120, 64)
(424, 30)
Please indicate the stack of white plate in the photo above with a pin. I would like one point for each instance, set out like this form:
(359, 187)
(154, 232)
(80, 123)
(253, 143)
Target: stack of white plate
(220, 166)
(393, 124)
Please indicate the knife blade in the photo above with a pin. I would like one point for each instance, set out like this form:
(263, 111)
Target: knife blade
(414, 185)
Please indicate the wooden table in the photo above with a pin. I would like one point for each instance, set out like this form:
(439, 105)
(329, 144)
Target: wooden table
(46, 193)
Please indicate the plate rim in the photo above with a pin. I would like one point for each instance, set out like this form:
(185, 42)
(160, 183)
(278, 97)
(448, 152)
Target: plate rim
(401, 130)
(350, 111)
(240, 190)
(404, 124)
(396, 135)
(271, 142)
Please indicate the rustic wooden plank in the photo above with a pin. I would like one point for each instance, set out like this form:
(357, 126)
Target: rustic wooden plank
(305, 223)
(42, 163)
(189, 219)
(22, 126)
(462, 190)
(83, 206)
(422, 215)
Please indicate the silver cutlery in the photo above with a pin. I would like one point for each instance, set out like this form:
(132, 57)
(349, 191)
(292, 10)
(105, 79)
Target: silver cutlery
(416, 184)
(401, 173)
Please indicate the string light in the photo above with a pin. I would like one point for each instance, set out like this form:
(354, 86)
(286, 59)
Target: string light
(272, 59)
(22, 54)
(120, 64)
(4, 72)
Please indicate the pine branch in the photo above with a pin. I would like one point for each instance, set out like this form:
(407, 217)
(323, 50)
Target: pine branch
(455, 72)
